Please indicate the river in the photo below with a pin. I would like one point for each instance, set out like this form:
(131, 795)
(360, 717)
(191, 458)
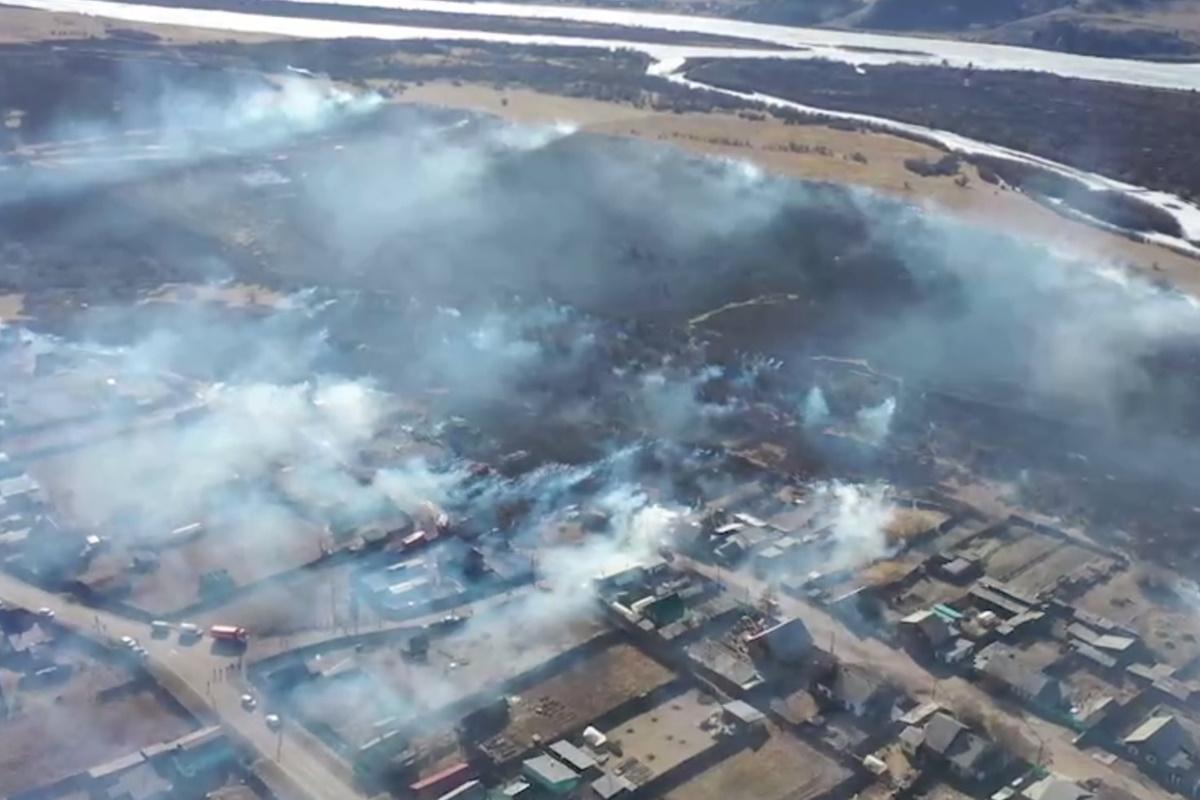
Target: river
(670, 59)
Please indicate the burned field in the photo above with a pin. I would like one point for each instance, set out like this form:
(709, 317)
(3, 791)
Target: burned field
(515, 455)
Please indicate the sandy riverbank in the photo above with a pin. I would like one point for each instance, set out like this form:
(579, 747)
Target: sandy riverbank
(21, 25)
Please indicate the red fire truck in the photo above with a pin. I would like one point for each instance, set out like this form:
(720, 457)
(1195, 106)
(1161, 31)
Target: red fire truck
(228, 633)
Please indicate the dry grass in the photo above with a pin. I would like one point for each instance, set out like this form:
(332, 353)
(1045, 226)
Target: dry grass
(12, 307)
(819, 153)
(906, 523)
(583, 691)
(885, 572)
(783, 767)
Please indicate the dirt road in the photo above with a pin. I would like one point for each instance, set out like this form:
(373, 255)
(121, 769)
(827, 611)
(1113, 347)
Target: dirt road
(208, 684)
(1059, 751)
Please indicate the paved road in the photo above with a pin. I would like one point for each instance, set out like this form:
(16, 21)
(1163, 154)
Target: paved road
(292, 761)
(955, 693)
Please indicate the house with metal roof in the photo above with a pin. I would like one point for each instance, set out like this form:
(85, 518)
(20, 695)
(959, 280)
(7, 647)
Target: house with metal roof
(574, 757)
(859, 691)
(1054, 787)
(961, 750)
(551, 774)
(1164, 746)
(609, 786)
(1004, 668)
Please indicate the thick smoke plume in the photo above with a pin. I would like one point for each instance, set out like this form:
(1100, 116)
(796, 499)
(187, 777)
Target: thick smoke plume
(496, 332)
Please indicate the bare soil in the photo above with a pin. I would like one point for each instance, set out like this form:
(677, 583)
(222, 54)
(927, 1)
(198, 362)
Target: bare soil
(56, 731)
(783, 767)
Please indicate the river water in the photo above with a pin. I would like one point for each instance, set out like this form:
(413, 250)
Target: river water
(669, 60)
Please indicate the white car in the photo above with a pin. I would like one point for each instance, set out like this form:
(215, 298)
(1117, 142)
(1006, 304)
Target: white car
(128, 641)
(248, 702)
(273, 721)
(45, 612)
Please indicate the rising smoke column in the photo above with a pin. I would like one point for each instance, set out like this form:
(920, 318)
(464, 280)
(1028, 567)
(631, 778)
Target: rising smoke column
(815, 411)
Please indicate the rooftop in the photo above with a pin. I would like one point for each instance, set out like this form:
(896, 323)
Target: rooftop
(609, 785)
(572, 755)
(743, 712)
(548, 769)
(941, 731)
(1148, 729)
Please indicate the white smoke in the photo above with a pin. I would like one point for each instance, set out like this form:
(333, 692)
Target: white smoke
(858, 515)
(875, 422)
(639, 527)
(815, 412)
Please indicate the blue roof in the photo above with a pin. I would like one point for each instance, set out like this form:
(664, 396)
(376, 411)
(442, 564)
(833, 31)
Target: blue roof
(947, 613)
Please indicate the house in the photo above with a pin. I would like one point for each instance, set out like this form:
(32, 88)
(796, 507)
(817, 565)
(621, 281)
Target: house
(1164, 748)
(609, 786)
(963, 752)
(960, 570)
(862, 693)
(551, 774)
(927, 631)
(574, 757)
(744, 716)
(1005, 669)
(1122, 649)
(911, 739)
(443, 781)
(1053, 787)
(789, 642)
(471, 790)
(515, 790)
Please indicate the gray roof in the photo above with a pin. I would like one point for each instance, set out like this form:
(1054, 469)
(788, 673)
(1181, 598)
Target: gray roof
(743, 712)
(1053, 787)
(941, 731)
(471, 788)
(572, 755)
(1149, 728)
(857, 686)
(969, 751)
(121, 764)
(549, 770)
(1004, 664)
(609, 785)
(958, 566)
(515, 789)
(912, 736)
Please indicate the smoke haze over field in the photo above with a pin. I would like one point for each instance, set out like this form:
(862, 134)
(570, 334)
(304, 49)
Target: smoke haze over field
(557, 346)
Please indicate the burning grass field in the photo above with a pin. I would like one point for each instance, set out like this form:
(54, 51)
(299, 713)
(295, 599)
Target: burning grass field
(819, 153)
(477, 331)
